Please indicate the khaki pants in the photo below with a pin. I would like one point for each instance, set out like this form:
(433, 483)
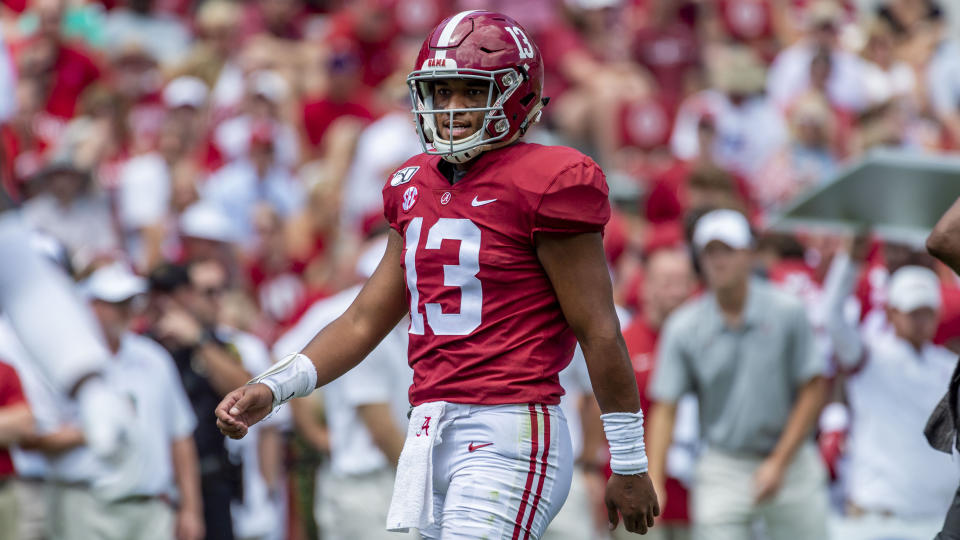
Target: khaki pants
(723, 499)
(9, 507)
(34, 497)
(78, 515)
(355, 507)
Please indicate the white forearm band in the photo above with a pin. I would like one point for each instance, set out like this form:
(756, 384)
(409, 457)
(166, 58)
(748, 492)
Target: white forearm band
(624, 432)
(293, 376)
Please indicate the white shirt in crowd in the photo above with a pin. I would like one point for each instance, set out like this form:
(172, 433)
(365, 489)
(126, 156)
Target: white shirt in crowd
(383, 377)
(145, 372)
(748, 136)
(85, 227)
(943, 78)
(163, 36)
(383, 146)
(260, 513)
(236, 188)
(789, 77)
(891, 467)
(232, 137)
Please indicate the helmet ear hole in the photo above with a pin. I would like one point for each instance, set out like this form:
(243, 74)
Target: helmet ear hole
(525, 100)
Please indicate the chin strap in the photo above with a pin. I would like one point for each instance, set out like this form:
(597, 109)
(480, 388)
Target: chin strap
(534, 116)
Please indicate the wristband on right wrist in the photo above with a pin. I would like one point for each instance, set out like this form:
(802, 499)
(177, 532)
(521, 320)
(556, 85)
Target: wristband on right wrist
(293, 376)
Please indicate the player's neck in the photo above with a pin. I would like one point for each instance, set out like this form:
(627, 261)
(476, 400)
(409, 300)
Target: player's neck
(454, 172)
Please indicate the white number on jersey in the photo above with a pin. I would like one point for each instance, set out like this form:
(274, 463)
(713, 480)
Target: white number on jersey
(462, 275)
(526, 50)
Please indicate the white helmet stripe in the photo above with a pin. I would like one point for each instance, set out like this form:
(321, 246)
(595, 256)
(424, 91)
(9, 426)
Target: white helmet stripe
(447, 32)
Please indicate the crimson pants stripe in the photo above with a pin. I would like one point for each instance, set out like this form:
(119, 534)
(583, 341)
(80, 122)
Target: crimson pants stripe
(543, 469)
(534, 449)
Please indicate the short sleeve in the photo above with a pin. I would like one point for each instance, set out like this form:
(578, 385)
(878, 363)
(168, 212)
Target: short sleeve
(11, 391)
(807, 361)
(575, 201)
(671, 377)
(390, 208)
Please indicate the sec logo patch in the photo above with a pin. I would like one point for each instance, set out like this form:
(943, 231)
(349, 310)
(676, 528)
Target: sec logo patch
(409, 198)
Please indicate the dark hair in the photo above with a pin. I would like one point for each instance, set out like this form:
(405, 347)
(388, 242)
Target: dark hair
(169, 277)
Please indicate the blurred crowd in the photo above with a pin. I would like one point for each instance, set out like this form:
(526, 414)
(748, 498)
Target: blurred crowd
(210, 173)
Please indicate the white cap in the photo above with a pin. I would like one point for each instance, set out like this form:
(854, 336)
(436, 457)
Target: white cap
(114, 283)
(270, 85)
(205, 220)
(914, 287)
(185, 91)
(727, 226)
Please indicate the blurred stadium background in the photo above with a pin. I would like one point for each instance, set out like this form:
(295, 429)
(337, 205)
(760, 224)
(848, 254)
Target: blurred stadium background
(163, 135)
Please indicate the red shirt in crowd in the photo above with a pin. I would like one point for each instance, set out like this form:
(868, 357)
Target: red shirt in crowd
(319, 114)
(486, 326)
(641, 342)
(11, 394)
(72, 72)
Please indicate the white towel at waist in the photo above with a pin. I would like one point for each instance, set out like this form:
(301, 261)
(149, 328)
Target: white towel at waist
(412, 502)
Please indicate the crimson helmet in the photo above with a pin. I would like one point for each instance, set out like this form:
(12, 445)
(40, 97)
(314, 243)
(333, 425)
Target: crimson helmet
(486, 46)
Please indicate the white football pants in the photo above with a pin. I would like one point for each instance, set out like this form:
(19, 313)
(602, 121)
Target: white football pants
(500, 472)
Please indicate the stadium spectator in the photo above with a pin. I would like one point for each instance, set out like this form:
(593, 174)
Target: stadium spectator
(668, 281)
(213, 56)
(62, 68)
(138, 22)
(790, 72)
(140, 506)
(905, 490)
(16, 423)
(258, 510)
(259, 178)
(183, 317)
(727, 348)
(69, 209)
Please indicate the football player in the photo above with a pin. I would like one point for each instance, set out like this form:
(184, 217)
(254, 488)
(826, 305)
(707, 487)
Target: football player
(496, 255)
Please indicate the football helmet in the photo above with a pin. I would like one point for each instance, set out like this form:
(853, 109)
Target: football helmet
(485, 46)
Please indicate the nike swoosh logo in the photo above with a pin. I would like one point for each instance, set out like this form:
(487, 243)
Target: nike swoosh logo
(474, 447)
(476, 202)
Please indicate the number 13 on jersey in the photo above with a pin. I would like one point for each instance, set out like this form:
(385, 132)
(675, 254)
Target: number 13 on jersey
(462, 275)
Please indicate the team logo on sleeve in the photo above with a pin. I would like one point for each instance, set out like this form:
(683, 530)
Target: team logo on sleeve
(409, 198)
(403, 176)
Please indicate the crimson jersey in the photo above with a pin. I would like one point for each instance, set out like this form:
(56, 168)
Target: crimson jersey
(486, 326)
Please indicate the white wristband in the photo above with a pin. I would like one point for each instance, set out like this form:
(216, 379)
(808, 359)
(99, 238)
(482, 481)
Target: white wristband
(293, 376)
(624, 432)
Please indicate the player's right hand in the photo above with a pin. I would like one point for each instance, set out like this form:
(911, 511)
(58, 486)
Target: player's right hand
(243, 408)
(635, 499)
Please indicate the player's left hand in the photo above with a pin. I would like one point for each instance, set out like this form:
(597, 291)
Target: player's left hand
(767, 479)
(635, 499)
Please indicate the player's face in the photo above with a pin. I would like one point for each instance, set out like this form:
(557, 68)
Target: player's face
(723, 266)
(917, 326)
(459, 94)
